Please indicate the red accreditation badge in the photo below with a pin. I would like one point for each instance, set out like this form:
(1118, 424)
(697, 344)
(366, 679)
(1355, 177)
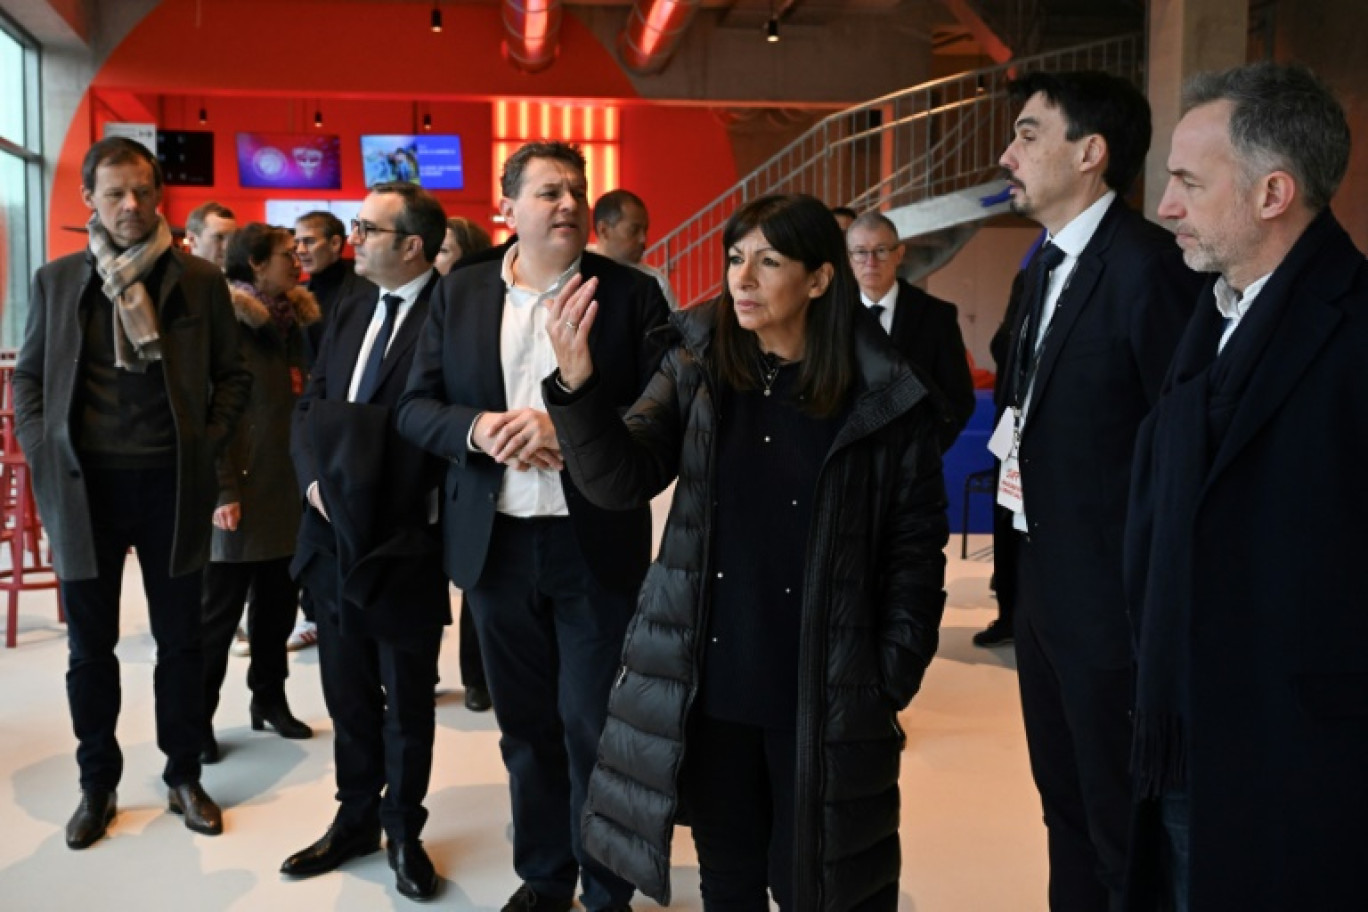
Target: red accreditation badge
(296, 381)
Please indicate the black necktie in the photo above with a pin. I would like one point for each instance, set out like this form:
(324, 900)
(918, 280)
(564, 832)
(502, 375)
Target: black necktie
(878, 311)
(1038, 281)
(370, 377)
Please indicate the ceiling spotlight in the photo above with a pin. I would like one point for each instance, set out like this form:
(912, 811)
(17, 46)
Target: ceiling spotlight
(772, 31)
(204, 116)
(427, 121)
(436, 18)
(318, 118)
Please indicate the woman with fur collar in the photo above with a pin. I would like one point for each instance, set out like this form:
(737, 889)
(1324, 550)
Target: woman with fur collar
(259, 504)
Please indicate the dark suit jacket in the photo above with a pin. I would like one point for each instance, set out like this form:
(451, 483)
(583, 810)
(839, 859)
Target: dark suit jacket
(926, 332)
(457, 375)
(1109, 345)
(339, 282)
(1277, 705)
(206, 384)
(379, 559)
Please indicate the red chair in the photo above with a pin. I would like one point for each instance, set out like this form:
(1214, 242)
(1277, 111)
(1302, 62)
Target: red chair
(20, 528)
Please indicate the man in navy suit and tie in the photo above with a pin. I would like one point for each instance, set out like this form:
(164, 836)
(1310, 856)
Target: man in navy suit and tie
(370, 545)
(551, 579)
(1106, 300)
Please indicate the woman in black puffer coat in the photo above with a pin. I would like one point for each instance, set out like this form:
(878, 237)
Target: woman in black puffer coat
(797, 596)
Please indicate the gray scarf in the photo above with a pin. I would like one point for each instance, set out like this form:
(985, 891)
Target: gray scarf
(137, 343)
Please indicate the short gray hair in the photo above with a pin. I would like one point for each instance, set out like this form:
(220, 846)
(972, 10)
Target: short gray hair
(874, 220)
(1282, 118)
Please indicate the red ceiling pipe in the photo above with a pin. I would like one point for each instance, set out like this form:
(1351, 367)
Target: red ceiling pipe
(532, 33)
(653, 31)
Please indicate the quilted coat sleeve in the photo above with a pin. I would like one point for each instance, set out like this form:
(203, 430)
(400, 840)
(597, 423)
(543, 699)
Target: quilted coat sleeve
(619, 463)
(913, 582)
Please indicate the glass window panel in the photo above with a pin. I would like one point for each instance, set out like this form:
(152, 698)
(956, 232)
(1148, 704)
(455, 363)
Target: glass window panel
(15, 263)
(11, 89)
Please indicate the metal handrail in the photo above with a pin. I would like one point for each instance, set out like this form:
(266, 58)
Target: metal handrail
(905, 147)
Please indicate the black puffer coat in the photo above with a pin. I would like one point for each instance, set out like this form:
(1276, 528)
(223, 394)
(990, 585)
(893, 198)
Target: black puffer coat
(871, 612)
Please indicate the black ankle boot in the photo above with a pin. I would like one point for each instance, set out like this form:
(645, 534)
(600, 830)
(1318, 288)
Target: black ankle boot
(277, 715)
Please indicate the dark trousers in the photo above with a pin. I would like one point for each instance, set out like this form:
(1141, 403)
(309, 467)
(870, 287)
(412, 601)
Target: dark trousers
(379, 693)
(472, 663)
(738, 785)
(1078, 732)
(552, 642)
(134, 509)
(270, 618)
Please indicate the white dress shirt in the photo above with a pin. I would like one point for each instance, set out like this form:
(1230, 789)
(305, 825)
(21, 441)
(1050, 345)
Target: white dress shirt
(1233, 305)
(888, 302)
(410, 294)
(527, 358)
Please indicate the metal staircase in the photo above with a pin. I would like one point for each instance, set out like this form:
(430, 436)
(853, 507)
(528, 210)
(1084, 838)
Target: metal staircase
(926, 156)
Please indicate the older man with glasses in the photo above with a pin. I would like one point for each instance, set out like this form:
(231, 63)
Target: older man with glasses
(924, 329)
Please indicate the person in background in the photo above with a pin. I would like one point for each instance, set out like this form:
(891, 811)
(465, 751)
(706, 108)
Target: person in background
(464, 238)
(924, 329)
(129, 380)
(804, 547)
(258, 504)
(208, 229)
(844, 216)
(1247, 520)
(621, 224)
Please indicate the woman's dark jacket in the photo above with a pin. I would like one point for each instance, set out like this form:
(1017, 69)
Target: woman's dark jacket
(254, 469)
(871, 612)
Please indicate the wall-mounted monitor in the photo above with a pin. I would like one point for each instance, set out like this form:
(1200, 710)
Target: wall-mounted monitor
(285, 212)
(187, 157)
(289, 161)
(431, 161)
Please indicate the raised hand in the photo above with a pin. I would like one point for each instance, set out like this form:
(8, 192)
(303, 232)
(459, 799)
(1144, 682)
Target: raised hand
(568, 321)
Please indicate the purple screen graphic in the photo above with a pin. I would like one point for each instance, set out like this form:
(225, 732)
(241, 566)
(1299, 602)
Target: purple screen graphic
(293, 161)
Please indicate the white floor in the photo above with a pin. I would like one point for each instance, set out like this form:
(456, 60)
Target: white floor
(972, 836)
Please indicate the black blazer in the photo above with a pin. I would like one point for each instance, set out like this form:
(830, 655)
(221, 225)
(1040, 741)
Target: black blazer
(926, 332)
(457, 375)
(379, 559)
(1112, 336)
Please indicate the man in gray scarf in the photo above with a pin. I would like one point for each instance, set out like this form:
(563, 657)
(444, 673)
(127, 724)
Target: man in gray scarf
(128, 382)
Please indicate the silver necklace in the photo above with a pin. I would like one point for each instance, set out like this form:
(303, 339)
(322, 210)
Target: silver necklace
(769, 369)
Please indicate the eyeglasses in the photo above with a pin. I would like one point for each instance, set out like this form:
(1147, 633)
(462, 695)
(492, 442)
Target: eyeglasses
(880, 253)
(361, 228)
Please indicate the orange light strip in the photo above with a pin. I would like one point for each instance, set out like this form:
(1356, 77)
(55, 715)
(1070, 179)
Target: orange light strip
(657, 20)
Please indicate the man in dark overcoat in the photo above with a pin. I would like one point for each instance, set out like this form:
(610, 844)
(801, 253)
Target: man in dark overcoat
(1247, 522)
(128, 383)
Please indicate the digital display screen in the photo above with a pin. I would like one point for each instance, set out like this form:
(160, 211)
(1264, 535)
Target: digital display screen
(431, 161)
(186, 157)
(289, 161)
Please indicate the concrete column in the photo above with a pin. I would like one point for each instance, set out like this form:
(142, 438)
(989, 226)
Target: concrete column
(1185, 37)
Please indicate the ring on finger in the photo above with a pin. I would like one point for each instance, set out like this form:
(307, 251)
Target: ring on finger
(573, 326)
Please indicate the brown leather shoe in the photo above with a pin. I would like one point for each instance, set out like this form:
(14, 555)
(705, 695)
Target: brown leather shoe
(92, 818)
(199, 810)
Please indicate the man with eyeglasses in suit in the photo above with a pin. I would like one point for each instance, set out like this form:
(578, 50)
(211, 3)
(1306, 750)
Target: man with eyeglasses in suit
(924, 329)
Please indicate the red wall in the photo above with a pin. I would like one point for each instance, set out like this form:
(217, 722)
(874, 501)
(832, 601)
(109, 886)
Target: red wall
(365, 64)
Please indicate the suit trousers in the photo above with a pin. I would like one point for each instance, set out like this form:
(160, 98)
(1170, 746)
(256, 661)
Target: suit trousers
(739, 783)
(274, 597)
(552, 643)
(1078, 733)
(134, 508)
(380, 695)
(472, 663)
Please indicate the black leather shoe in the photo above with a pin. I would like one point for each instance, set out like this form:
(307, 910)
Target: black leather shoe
(279, 717)
(92, 818)
(340, 844)
(209, 749)
(477, 699)
(414, 875)
(528, 900)
(996, 634)
(199, 810)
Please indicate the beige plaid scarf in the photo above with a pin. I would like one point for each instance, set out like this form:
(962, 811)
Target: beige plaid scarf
(137, 343)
